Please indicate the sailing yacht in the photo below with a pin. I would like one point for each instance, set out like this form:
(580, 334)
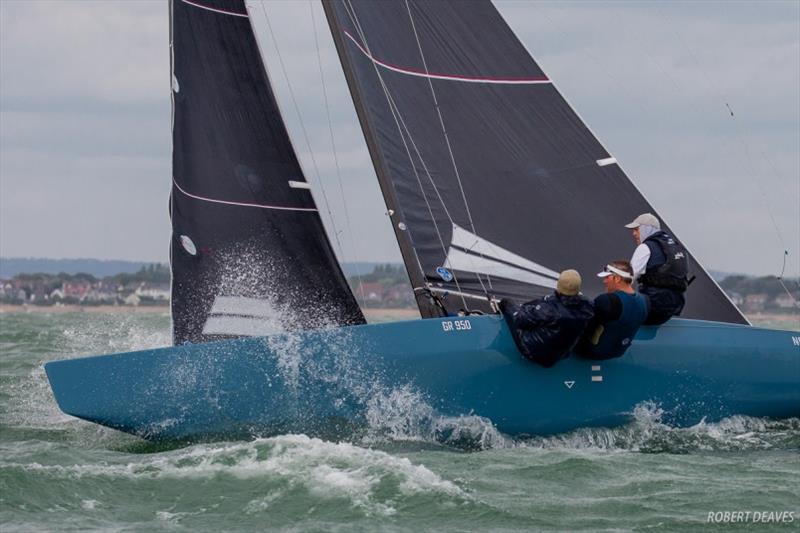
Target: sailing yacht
(465, 132)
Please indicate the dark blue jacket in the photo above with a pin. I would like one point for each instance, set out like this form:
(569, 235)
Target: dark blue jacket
(548, 328)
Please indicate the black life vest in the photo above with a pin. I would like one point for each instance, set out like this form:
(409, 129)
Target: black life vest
(668, 266)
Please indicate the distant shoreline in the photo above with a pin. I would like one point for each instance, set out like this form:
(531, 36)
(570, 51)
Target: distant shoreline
(371, 314)
(73, 308)
(774, 320)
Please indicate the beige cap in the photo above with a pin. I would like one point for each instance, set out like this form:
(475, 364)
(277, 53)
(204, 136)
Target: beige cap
(645, 219)
(569, 283)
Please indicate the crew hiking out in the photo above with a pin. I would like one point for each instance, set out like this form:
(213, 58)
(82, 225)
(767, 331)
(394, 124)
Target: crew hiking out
(617, 315)
(660, 264)
(547, 329)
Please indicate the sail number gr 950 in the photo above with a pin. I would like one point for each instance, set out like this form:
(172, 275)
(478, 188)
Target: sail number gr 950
(456, 325)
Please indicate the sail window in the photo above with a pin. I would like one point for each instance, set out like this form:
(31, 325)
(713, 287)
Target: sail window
(188, 245)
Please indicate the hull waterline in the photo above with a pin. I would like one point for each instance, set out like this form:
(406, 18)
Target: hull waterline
(321, 382)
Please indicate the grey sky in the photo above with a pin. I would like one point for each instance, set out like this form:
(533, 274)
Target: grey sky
(85, 139)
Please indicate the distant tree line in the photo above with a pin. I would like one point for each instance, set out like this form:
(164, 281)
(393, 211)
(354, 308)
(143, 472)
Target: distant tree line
(768, 285)
(388, 274)
(154, 273)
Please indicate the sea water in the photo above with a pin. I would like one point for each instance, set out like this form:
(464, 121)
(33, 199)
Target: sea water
(59, 473)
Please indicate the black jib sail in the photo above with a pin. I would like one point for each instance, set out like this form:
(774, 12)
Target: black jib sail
(249, 252)
(494, 183)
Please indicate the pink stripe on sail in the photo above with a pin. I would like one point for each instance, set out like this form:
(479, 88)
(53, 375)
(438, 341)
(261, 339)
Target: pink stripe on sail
(215, 10)
(452, 77)
(240, 204)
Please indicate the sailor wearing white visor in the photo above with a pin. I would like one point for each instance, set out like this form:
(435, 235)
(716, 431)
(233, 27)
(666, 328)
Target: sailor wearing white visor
(617, 314)
(660, 264)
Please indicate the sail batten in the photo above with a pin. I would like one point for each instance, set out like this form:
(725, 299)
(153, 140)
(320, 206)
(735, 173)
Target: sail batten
(510, 161)
(249, 253)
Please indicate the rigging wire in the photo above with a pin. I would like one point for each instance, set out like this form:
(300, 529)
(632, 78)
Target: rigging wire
(447, 142)
(740, 136)
(303, 129)
(336, 157)
(398, 118)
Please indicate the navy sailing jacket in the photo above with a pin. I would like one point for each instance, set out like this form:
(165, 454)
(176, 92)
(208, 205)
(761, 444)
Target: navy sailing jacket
(548, 328)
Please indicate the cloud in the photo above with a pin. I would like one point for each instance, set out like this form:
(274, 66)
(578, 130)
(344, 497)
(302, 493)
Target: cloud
(85, 110)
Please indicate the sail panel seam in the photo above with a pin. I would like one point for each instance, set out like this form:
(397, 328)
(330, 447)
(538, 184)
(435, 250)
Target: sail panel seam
(240, 204)
(448, 77)
(215, 10)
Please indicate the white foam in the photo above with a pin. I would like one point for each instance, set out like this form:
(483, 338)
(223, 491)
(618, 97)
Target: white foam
(325, 469)
(647, 433)
(89, 505)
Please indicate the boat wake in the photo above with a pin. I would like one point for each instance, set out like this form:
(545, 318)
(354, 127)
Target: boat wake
(646, 433)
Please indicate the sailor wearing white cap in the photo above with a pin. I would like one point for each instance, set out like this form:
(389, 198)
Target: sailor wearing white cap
(617, 314)
(660, 264)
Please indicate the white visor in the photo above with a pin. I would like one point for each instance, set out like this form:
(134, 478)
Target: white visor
(609, 270)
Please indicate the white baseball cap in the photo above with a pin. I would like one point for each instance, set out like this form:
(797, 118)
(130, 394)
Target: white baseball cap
(645, 219)
(611, 270)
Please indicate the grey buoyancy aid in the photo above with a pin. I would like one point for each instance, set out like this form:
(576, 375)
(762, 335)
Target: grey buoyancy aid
(668, 266)
(618, 334)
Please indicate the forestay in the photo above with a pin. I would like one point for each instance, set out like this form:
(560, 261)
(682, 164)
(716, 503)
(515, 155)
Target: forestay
(494, 184)
(249, 253)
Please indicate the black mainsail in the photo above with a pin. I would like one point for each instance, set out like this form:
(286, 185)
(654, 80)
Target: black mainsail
(249, 253)
(493, 181)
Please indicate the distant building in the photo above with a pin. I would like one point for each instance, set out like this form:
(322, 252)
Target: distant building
(736, 299)
(784, 301)
(755, 302)
(100, 296)
(373, 292)
(159, 292)
(76, 289)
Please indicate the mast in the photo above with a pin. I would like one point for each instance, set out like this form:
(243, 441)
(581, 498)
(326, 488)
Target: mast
(498, 182)
(416, 275)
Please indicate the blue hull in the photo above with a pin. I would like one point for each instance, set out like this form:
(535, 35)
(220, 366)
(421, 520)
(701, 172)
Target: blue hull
(323, 381)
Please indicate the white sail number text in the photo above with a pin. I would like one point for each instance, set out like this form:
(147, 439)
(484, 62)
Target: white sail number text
(456, 325)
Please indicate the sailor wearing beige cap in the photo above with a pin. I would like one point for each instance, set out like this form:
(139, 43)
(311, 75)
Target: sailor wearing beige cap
(547, 329)
(660, 264)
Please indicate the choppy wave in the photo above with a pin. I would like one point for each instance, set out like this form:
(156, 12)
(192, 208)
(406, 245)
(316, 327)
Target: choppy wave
(396, 472)
(31, 340)
(370, 480)
(648, 434)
